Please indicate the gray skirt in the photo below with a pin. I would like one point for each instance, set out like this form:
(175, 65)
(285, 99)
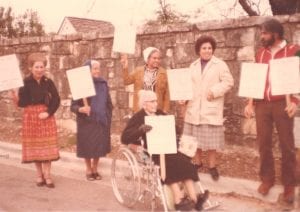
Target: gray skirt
(209, 137)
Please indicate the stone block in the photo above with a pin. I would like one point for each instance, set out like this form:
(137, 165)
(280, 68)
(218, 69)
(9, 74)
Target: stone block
(28, 40)
(226, 53)
(61, 48)
(183, 53)
(246, 53)
(248, 37)
(186, 37)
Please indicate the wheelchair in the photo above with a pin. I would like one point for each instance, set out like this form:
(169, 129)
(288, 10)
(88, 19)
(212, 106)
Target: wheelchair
(136, 180)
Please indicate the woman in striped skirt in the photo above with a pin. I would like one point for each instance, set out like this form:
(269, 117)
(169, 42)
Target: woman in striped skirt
(211, 79)
(40, 100)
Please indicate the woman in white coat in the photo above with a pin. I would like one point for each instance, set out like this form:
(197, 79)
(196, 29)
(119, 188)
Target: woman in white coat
(211, 79)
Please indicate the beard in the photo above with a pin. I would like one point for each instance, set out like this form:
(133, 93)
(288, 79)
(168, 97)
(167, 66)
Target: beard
(268, 42)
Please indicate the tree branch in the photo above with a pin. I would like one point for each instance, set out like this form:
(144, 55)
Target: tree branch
(248, 8)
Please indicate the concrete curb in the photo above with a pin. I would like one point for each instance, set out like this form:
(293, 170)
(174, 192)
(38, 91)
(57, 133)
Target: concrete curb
(69, 164)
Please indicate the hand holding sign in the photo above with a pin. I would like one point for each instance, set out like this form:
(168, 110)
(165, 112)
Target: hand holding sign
(81, 82)
(161, 139)
(86, 108)
(83, 89)
(284, 75)
(10, 73)
(180, 84)
(252, 83)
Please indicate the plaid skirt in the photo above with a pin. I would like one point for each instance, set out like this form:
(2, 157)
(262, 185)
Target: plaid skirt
(209, 137)
(39, 136)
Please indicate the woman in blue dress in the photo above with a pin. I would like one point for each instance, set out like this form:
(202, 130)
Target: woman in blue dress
(93, 123)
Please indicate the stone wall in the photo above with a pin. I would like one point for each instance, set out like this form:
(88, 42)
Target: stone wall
(237, 41)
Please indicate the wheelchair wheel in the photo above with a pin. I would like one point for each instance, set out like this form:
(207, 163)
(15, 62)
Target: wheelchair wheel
(125, 177)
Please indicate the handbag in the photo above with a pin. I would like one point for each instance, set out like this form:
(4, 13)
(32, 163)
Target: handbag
(188, 145)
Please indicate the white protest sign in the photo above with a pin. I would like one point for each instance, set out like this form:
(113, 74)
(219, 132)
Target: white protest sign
(162, 138)
(180, 84)
(124, 38)
(284, 76)
(81, 82)
(10, 73)
(253, 80)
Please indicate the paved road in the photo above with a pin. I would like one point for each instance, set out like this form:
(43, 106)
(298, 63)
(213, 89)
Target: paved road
(18, 192)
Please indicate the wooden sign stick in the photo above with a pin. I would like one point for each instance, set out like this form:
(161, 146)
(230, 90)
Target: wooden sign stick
(85, 103)
(162, 166)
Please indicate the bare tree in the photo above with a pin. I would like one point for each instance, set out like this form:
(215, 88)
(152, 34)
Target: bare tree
(247, 6)
(282, 7)
(166, 14)
(27, 24)
(278, 7)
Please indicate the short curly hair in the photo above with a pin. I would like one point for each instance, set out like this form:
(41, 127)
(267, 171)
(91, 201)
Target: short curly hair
(205, 39)
(36, 57)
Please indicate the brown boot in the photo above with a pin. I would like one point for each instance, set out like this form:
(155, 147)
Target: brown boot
(265, 187)
(289, 194)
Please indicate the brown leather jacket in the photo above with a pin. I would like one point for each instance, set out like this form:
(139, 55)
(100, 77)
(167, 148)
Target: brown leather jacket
(161, 88)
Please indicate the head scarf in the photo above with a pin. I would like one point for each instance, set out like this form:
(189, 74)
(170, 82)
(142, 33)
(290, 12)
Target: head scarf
(148, 51)
(99, 101)
(90, 63)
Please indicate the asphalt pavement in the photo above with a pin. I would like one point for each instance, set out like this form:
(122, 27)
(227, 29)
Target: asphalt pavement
(74, 193)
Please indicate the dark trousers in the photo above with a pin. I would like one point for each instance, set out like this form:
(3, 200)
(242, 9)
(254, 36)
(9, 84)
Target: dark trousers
(268, 113)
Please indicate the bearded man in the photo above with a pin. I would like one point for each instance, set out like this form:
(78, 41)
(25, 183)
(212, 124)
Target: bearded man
(275, 109)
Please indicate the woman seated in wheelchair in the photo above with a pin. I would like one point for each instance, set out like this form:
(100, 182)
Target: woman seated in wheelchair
(179, 168)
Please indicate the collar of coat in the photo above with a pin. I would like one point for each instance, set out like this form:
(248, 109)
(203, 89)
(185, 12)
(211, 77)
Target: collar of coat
(159, 70)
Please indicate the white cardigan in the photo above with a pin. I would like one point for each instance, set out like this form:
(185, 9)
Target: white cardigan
(216, 78)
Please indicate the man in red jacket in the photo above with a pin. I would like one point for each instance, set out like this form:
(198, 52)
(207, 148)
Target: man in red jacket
(275, 109)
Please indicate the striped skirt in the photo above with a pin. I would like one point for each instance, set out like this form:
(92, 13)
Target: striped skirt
(209, 137)
(39, 136)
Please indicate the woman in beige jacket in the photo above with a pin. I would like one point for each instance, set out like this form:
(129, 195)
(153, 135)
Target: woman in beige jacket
(211, 79)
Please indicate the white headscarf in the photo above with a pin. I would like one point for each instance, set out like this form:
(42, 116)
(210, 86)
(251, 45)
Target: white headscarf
(148, 51)
(95, 62)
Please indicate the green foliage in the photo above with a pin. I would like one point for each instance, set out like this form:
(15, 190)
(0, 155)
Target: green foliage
(25, 25)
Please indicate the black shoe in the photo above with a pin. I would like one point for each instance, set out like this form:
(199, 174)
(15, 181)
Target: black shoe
(214, 173)
(201, 199)
(184, 205)
(198, 166)
(49, 183)
(97, 176)
(90, 177)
